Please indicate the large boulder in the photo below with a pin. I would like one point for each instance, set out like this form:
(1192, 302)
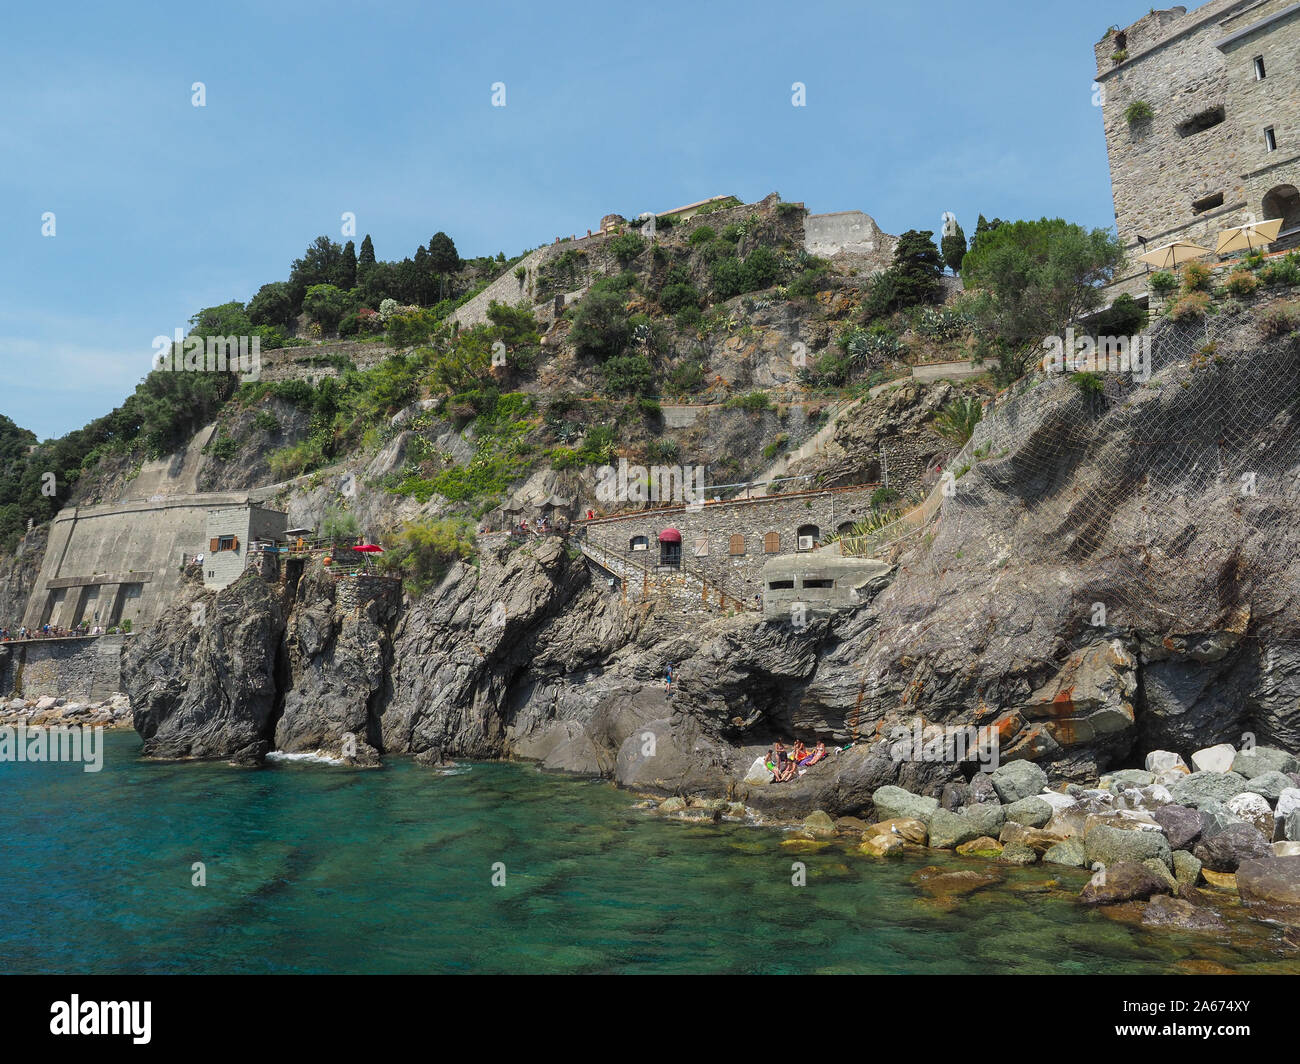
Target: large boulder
(907, 829)
(982, 789)
(1069, 853)
(1215, 817)
(949, 830)
(1214, 758)
(1225, 851)
(1252, 763)
(891, 801)
(1161, 761)
(1271, 784)
(1270, 881)
(954, 795)
(1254, 810)
(1115, 845)
(1187, 869)
(1125, 881)
(1182, 826)
(1218, 785)
(1016, 780)
(1039, 840)
(1033, 812)
(986, 816)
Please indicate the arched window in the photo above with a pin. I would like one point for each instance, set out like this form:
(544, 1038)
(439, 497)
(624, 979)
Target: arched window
(1283, 202)
(807, 536)
(639, 543)
(737, 545)
(772, 543)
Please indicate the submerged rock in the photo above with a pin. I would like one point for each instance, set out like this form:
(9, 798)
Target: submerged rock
(1123, 881)
(1270, 881)
(1181, 915)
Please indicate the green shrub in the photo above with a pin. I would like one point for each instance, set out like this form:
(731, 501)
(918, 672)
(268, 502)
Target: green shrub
(685, 378)
(339, 526)
(807, 284)
(1279, 321)
(1241, 283)
(882, 497)
(1196, 277)
(290, 462)
(754, 402)
(224, 448)
(1190, 306)
(701, 234)
(726, 278)
(1282, 271)
(662, 451)
(1089, 383)
(423, 551)
(1163, 282)
(675, 297)
(265, 421)
(626, 247)
(628, 374)
(600, 327)
(1138, 111)
(689, 317)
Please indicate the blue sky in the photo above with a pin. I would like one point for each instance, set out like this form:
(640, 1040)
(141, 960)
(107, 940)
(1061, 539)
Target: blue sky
(385, 110)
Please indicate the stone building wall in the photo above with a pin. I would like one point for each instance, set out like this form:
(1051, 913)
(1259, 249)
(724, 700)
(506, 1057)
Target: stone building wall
(1172, 180)
(247, 524)
(707, 533)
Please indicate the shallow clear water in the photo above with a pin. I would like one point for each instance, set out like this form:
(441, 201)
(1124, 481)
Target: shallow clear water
(315, 868)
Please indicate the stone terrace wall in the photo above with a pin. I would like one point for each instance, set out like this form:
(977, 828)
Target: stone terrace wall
(316, 362)
(87, 669)
(707, 533)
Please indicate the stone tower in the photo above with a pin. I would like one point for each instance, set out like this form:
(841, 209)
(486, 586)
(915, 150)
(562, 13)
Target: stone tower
(1202, 117)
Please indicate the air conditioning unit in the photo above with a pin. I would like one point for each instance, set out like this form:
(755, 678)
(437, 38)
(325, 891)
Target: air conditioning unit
(805, 543)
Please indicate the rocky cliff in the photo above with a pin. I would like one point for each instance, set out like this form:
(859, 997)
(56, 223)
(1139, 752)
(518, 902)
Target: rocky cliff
(1129, 498)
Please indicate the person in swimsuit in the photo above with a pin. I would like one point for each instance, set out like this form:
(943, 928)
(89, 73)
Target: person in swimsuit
(819, 752)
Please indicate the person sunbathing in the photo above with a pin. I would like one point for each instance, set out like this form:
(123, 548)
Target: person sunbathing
(819, 753)
(799, 752)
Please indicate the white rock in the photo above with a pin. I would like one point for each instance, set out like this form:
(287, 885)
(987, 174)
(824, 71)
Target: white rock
(1057, 800)
(758, 772)
(1286, 849)
(1170, 776)
(1254, 809)
(1214, 758)
(1159, 761)
(1156, 794)
(46, 703)
(1288, 802)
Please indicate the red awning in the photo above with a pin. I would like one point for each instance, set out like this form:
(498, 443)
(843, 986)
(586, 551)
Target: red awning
(670, 535)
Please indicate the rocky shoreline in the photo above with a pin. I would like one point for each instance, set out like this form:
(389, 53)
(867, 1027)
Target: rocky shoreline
(1185, 848)
(48, 711)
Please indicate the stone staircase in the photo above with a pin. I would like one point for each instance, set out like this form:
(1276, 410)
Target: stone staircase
(680, 587)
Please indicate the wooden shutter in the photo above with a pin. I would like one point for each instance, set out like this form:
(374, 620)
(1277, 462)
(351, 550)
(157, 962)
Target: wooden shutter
(772, 543)
(234, 543)
(213, 546)
(737, 544)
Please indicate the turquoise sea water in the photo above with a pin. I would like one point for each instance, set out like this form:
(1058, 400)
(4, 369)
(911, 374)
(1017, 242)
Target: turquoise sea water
(316, 868)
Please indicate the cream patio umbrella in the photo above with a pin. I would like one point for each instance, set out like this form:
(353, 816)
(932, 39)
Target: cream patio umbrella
(1172, 255)
(1248, 237)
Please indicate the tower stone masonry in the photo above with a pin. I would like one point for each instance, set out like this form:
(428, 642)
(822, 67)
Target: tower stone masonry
(1202, 117)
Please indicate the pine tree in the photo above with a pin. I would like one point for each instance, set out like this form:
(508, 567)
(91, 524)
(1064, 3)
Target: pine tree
(347, 272)
(442, 254)
(954, 248)
(366, 259)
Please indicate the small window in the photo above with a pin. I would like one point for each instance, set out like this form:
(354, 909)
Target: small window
(818, 583)
(737, 544)
(1259, 68)
(1121, 41)
(772, 543)
(780, 585)
(1270, 139)
(1199, 123)
(225, 543)
(806, 537)
(1207, 203)
(639, 543)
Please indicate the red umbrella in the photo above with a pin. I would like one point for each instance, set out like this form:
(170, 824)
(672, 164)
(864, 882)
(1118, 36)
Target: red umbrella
(369, 548)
